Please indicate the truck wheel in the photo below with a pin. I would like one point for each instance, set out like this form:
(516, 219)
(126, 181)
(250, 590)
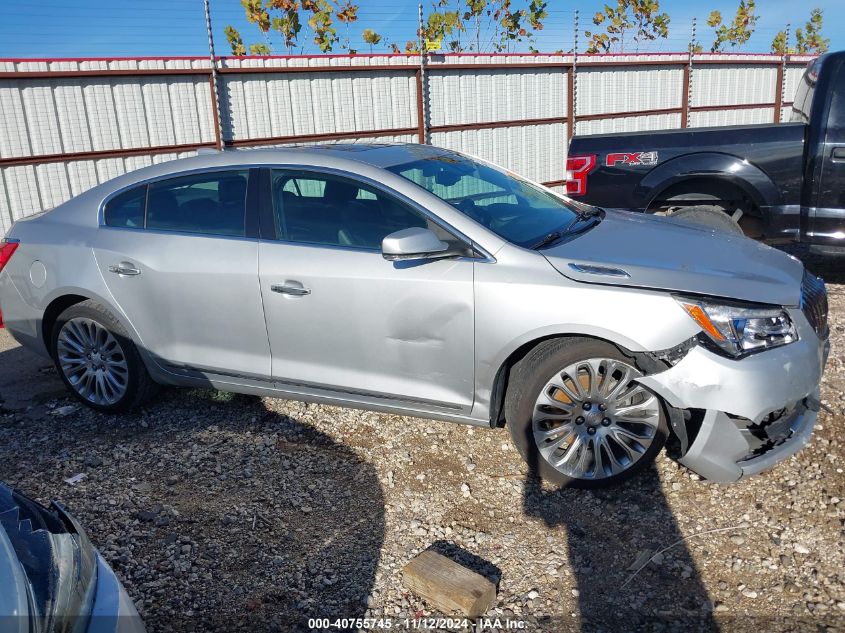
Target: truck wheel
(578, 417)
(97, 360)
(711, 216)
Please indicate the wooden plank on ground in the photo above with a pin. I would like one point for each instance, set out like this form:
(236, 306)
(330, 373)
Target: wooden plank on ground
(448, 586)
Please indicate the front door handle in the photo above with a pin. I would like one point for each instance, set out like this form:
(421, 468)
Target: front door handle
(293, 288)
(839, 154)
(124, 269)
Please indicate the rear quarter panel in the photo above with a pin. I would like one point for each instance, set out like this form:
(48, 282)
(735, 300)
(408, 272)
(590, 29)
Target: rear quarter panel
(55, 258)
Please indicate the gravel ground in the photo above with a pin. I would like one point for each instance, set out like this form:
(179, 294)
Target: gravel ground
(224, 513)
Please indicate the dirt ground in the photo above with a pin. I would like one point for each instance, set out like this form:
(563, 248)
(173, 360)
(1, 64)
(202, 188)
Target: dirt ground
(223, 513)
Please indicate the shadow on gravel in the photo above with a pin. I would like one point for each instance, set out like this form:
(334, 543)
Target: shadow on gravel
(469, 560)
(611, 533)
(27, 380)
(303, 527)
(217, 514)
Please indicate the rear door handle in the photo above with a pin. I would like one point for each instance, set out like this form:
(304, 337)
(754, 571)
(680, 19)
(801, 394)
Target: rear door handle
(839, 154)
(124, 269)
(293, 288)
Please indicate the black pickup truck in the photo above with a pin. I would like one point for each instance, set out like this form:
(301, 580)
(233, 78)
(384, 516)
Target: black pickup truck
(779, 182)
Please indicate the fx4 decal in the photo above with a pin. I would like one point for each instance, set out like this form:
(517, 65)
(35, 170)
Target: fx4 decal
(632, 159)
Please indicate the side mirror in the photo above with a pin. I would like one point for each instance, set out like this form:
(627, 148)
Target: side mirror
(413, 243)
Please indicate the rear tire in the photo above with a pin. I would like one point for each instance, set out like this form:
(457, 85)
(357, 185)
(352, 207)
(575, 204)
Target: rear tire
(98, 361)
(598, 424)
(710, 216)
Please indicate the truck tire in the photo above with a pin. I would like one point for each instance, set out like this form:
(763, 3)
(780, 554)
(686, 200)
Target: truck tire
(578, 416)
(98, 361)
(710, 216)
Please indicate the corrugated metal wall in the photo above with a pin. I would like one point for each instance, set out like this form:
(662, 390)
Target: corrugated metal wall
(67, 125)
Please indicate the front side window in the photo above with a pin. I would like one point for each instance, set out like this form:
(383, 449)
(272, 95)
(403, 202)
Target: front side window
(212, 203)
(513, 208)
(330, 210)
(126, 210)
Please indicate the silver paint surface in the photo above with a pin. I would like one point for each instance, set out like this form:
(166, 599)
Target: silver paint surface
(423, 338)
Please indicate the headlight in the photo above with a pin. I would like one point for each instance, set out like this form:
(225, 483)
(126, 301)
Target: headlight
(738, 331)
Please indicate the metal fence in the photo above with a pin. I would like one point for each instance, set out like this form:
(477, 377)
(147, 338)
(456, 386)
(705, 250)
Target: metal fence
(69, 124)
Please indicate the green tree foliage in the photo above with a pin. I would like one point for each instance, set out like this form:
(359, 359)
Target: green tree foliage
(236, 43)
(286, 18)
(287, 24)
(780, 44)
(347, 13)
(437, 26)
(641, 19)
(321, 22)
(738, 32)
(650, 23)
(440, 24)
(514, 24)
(475, 13)
(808, 41)
(256, 14)
(371, 37)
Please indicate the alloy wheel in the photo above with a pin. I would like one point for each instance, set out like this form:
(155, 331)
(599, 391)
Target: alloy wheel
(92, 361)
(592, 420)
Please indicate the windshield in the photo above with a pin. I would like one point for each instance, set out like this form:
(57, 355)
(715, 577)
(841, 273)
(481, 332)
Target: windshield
(511, 207)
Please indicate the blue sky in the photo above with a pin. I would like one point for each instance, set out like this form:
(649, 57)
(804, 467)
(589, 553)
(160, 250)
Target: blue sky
(97, 28)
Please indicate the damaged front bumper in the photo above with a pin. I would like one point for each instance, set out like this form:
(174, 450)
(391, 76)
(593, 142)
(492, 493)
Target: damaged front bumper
(743, 416)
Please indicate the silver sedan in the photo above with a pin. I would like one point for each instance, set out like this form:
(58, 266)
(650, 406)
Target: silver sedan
(423, 282)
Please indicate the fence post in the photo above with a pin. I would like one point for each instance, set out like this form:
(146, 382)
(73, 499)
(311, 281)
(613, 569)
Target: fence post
(781, 80)
(571, 88)
(422, 87)
(687, 91)
(213, 80)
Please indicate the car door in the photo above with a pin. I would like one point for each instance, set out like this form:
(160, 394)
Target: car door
(828, 217)
(342, 318)
(180, 258)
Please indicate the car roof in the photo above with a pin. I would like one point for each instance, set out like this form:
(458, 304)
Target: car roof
(355, 157)
(376, 154)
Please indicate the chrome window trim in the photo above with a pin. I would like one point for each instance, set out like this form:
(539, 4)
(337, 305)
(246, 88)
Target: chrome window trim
(239, 238)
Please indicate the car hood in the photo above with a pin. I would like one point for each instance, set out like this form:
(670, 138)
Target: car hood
(666, 254)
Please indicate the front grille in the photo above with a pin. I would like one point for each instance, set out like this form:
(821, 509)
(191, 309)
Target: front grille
(814, 303)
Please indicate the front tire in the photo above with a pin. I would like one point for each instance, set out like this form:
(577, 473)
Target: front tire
(578, 417)
(98, 361)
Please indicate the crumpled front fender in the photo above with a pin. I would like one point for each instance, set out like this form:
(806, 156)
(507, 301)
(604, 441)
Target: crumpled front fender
(750, 387)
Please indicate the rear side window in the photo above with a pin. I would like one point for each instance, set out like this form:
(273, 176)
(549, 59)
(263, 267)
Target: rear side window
(211, 203)
(127, 209)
